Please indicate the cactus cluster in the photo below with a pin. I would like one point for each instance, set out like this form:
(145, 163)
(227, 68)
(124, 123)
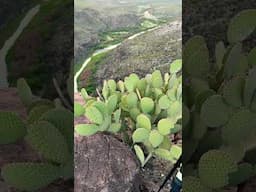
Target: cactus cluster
(145, 111)
(48, 129)
(219, 116)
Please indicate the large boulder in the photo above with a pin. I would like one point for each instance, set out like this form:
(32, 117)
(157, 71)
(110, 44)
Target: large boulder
(104, 164)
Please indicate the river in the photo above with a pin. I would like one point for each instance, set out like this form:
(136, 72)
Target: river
(97, 52)
(11, 41)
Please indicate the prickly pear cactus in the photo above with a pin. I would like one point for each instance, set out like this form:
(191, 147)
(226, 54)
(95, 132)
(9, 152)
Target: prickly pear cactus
(145, 111)
(219, 110)
(49, 131)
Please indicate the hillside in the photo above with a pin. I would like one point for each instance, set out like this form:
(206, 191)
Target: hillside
(154, 49)
(90, 23)
(101, 23)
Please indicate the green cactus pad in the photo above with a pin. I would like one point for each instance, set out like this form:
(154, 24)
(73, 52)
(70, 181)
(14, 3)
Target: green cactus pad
(164, 154)
(105, 124)
(164, 102)
(40, 102)
(79, 110)
(166, 144)
(220, 51)
(63, 120)
(120, 86)
(201, 98)
(112, 103)
(236, 63)
(112, 85)
(132, 100)
(157, 79)
(143, 121)
(139, 153)
(140, 135)
(48, 141)
(193, 184)
(155, 138)
(233, 92)
(164, 126)
(86, 129)
(94, 115)
(84, 94)
(36, 113)
(241, 26)
(214, 111)
(12, 128)
(175, 111)
(131, 82)
(197, 86)
(176, 66)
(240, 127)
(157, 93)
(117, 115)
(175, 152)
(103, 107)
(30, 176)
(250, 87)
(147, 105)
(134, 112)
(141, 85)
(253, 104)
(171, 93)
(199, 58)
(105, 90)
(214, 168)
(252, 57)
(114, 127)
(24, 92)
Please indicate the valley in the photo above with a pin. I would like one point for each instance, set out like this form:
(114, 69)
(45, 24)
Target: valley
(136, 27)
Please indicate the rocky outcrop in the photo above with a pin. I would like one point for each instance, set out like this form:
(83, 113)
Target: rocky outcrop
(104, 164)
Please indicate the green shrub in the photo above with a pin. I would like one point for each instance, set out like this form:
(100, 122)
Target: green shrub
(219, 116)
(147, 110)
(49, 131)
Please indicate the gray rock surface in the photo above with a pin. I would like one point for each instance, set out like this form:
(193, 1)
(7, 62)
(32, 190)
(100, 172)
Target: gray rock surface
(104, 164)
